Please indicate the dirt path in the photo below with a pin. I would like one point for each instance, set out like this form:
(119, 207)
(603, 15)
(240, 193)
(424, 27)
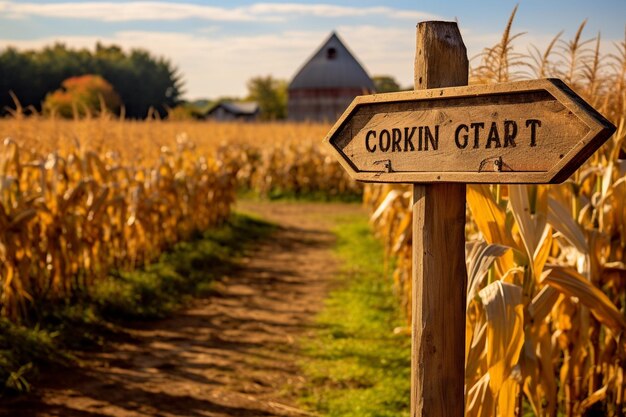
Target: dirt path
(233, 354)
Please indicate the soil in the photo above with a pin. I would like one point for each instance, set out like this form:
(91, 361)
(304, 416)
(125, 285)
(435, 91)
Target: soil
(234, 353)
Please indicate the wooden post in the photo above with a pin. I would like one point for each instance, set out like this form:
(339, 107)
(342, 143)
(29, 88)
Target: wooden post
(375, 140)
(439, 273)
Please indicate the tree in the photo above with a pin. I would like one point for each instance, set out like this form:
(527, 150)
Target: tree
(385, 84)
(142, 81)
(271, 95)
(81, 96)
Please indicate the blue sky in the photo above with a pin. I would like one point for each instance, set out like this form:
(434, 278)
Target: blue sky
(218, 46)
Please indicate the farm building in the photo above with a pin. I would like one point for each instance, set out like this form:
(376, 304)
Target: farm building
(234, 110)
(327, 83)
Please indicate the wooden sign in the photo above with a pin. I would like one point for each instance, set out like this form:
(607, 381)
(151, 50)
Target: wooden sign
(536, 131)
(440, 137)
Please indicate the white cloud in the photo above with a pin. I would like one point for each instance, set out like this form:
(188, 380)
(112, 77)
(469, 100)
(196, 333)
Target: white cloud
(220, 65)
(329, 10)
(214, 64)
(383, 50)
(128, 11)
(170, 11)
(211, 66)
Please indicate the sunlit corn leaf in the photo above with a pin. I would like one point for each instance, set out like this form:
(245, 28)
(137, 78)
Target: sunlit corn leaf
(475, 350)
(507, 398)
(570, 282)
(480, 399)
(559, 217)
(542, 253)
(540, 382)
(542, 303)
(531, 216)
(505, 335)
(385, 204)
(489, 217)
(479, 259)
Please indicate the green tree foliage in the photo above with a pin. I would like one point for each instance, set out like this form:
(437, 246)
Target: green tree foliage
(141, 80)
(385, 84)
(185, 111)
(82, 95)
(271, 94)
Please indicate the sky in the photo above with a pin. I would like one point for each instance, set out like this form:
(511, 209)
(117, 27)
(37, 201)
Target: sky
(219, 45)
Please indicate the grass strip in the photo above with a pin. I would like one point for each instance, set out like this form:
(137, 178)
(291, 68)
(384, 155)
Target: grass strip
(278, 194)
(356, 365)
(188, 270)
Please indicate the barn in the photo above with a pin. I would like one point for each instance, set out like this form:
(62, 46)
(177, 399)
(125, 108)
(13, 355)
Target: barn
(327, 83)
(234, 110)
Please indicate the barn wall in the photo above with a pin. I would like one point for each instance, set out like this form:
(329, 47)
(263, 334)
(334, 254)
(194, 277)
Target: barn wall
(320, 105)
(223, 115)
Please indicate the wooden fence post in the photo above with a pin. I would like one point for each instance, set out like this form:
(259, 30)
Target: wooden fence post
(439, 273)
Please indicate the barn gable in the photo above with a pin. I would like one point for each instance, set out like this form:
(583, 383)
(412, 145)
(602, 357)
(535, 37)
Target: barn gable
(327, 83)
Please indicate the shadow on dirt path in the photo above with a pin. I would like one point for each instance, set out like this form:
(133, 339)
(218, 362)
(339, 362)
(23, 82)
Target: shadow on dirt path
(234, 353)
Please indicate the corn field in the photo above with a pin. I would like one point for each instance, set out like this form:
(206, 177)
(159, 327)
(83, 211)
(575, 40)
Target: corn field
(81, 198)
(546, 296)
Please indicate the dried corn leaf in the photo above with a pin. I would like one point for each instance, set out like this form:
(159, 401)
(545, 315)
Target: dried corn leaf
(570, 282)
(479, 259)
(480, 400)
(489, 217)
(560, 218)
(505, 336)
(531, 216)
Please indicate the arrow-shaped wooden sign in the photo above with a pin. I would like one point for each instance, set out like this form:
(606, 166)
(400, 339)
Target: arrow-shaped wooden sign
(522, 132)
(439, 139)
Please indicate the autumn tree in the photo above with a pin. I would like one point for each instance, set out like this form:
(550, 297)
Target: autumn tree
(81, 96)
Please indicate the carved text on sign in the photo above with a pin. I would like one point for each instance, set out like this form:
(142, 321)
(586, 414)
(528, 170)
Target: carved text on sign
(423, 138)
(533, 131)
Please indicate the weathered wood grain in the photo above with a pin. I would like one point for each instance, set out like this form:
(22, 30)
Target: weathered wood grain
(439, 288)
(536, 131)
(439, 275)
